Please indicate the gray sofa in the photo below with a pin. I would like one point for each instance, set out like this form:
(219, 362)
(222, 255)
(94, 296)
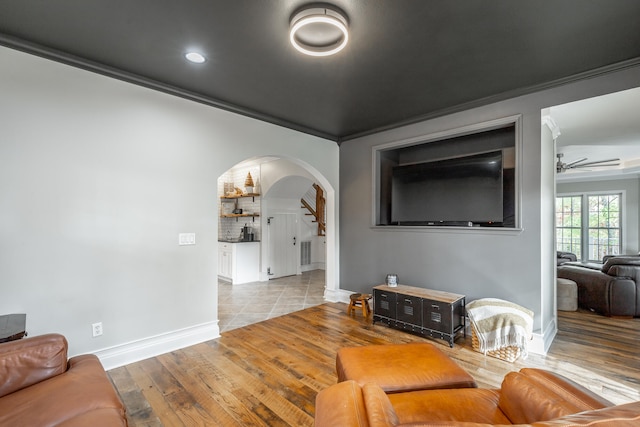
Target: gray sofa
(565, 257)
(610, 288)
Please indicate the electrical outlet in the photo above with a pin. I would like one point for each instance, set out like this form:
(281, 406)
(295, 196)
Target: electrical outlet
(97, 329)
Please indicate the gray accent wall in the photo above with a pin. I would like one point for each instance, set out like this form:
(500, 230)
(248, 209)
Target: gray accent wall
(631, 207)
(517, 265)
(97, 179)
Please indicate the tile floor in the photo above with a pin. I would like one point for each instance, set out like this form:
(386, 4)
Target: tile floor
(241, 305)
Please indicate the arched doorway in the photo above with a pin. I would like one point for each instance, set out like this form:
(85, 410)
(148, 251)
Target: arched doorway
(279, 184)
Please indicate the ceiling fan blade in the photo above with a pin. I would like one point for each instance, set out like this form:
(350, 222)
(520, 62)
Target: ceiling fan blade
(598, 163)
(570, 164)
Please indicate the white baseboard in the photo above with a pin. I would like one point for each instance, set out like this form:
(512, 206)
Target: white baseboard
(337, 295)
(313, 266)
(120, 355)
(541, 342)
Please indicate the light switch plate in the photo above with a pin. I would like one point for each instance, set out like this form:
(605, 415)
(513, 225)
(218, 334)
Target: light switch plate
(186, 239)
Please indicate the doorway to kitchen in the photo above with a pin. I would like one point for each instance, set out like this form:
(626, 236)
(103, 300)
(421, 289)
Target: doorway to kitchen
(278, 186)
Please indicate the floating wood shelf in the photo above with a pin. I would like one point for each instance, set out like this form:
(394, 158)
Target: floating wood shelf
(238, 215)
(240, 196)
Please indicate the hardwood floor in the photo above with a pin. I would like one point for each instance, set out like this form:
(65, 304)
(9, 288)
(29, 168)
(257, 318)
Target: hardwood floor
(268, 373)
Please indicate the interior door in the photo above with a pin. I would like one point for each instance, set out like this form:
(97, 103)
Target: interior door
(283, 259)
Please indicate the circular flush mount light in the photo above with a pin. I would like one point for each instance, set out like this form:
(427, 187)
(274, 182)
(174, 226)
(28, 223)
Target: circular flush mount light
(195, 57)
(319, 31)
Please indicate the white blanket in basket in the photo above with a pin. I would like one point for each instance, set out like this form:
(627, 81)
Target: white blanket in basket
(500, 324)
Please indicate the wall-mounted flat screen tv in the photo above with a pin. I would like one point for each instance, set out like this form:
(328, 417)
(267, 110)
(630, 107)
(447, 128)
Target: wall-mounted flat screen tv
(461, 191)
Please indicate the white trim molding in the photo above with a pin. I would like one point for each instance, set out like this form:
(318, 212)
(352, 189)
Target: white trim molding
(120, 355)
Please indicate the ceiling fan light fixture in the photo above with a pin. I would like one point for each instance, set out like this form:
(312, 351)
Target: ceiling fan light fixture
(319, 31)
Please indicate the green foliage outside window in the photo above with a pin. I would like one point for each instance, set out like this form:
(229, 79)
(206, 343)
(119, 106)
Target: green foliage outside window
(602, 230)
(604, 225)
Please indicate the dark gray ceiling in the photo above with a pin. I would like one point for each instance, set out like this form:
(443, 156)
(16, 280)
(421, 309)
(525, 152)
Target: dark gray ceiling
(407, 60)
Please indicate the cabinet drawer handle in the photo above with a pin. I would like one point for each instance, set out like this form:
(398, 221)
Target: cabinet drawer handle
(436, 306)
(383, 295)
(408, 301)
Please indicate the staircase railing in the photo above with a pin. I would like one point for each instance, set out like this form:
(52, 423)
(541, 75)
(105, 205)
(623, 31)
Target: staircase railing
(314, 202)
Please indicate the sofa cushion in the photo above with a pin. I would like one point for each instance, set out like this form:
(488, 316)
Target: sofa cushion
(31, 360)
(83, 393)
(627, 415)
(535, 395)
(588, 265)
(476, 405)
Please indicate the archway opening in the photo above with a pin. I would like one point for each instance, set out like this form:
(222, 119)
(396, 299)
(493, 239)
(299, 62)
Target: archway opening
(279, 184)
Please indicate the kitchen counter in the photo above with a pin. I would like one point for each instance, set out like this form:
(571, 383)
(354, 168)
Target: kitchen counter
(237, 241)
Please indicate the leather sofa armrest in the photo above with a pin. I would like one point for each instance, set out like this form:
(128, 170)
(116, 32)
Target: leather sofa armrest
(533, 395)
(31, 360)
(341, 404)
(632, 261)
(380, 412)
(627, 415)
(569, 256)
(630, 271)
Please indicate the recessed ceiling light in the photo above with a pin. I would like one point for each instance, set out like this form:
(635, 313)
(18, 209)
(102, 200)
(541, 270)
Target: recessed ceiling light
(195, 57)
(319, 31)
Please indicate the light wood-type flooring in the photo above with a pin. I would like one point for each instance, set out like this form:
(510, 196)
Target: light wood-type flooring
(268, 373)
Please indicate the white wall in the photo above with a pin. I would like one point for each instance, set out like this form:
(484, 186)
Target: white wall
(97, 178)
(517, 266)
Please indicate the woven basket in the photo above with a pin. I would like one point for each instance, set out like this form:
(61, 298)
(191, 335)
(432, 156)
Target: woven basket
(509, 354)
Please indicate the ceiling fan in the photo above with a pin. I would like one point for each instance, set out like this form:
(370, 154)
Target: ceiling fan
(563, 167)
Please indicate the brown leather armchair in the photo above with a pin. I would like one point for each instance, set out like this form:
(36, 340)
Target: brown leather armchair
(40, 387)
(531, 397)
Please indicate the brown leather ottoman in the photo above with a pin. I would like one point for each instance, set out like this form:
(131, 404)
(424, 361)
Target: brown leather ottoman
(401, 367)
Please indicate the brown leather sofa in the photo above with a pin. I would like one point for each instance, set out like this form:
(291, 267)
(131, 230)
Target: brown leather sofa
(610, 288)
(40, 387)
(531, 397)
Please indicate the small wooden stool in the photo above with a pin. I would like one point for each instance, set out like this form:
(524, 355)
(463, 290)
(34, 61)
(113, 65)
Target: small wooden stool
(359, 300)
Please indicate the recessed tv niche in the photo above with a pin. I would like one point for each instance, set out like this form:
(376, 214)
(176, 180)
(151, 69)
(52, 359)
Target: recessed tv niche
(461, 191)
(461, 181)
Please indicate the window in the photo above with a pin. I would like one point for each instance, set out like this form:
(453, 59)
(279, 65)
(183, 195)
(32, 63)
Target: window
(604, 225)
(589, 224)
(569, 225)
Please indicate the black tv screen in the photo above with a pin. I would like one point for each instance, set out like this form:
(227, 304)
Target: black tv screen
(457, 191)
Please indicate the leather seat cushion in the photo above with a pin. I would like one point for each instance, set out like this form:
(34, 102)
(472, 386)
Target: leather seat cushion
(460, 405)
(401, 367)
(81, 396)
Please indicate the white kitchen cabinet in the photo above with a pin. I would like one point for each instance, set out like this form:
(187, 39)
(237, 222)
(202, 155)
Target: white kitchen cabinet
(225, 260)
(239, 262)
